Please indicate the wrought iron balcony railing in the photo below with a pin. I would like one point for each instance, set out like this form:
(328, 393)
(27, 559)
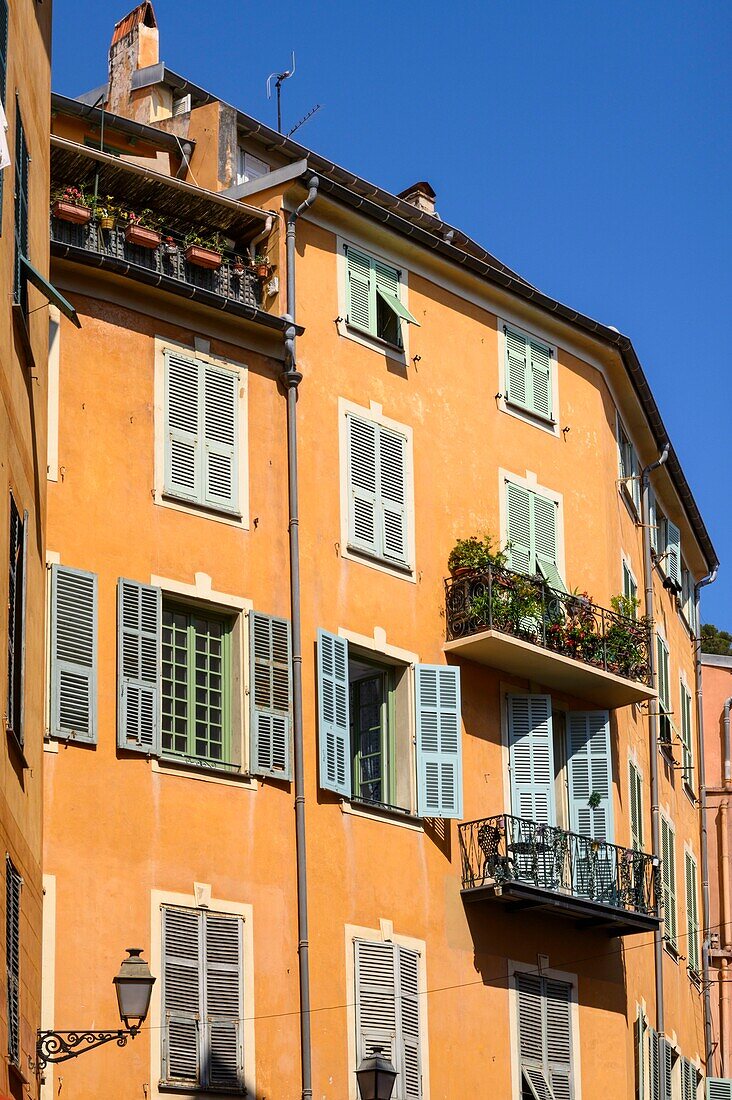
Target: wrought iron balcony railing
(236, 286)
(527, 608)
(504, 850)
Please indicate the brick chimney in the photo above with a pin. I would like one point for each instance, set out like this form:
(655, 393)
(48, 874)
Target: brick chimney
(134, 46)
(422, 196)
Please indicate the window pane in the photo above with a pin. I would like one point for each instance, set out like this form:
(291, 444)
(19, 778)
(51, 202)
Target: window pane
(194, 685)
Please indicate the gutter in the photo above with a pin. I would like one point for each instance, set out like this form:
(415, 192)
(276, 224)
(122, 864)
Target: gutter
(63, 105)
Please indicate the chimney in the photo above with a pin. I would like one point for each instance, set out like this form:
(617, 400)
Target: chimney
(422, 197)
(134, 46)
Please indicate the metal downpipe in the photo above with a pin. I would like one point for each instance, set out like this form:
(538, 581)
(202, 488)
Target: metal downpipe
(291, 379)
(653, 716)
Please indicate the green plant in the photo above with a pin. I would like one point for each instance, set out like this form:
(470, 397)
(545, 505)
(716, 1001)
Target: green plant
(475, 553)
(145, 218)
(69, 193)
(107, 207)
(201, 238)
(594, 800)
(625, 605)
(261, 258)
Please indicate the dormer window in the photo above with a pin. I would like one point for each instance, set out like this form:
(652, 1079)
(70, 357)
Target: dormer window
(250, 168)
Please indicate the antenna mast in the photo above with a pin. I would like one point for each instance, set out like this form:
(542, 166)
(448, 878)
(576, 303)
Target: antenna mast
(279, 79)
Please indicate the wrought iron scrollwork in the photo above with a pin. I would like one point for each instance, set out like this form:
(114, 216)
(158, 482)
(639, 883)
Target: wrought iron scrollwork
(59, 1046)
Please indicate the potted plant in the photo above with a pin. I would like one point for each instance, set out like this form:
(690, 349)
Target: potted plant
(70, 205)
(107, 212)
(170, 245)
(203, 250)
(474, 555)
(238, 267)
(143, 228)
(262, 266)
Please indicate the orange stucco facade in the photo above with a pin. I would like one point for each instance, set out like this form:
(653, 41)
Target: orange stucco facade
(128, 833)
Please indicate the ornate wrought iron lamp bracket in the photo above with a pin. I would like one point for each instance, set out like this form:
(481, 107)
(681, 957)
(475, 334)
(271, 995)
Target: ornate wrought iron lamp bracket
(59, 1046)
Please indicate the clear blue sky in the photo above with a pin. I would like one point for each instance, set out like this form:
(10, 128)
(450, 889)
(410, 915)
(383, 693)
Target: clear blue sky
(587, 145)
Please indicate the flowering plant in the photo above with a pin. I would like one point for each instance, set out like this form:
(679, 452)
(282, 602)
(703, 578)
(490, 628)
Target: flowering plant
(69, 193)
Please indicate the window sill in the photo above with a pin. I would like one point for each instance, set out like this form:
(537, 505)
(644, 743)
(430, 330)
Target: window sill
(167, 765)
(379, 341)
(671, 950)
(526, 411)
(403, 819)
(230, 516)
(200, 1090)
(357, 554)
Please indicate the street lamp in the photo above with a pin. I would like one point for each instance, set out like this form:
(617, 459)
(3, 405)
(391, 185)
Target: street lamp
(133, 985)
(376, 1077)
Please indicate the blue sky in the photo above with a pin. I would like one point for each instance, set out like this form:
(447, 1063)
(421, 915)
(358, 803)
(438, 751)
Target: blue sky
(587, 145)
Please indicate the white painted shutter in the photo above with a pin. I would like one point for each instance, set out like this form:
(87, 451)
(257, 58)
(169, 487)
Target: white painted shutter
(517, 386)
(409, 1022)
(376, 1000)
(334, 730)
(518, 527)
(182, 1022)
(531, 1011)
(270, 695)
(392, 488)
(590, 771)
(73, 654)
(220, 404)
(557, 1000)
(361, 291)
(531, 757)
(362, 484)
(139, 633)
(439, 745)
(182, 427)
(223, 1045)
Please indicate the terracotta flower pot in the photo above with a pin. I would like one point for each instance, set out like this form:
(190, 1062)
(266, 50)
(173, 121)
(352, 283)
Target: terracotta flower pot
(145, 238)
(71, 212)
(238, 269)
(107, 222)
(203, 257)
(262, 270)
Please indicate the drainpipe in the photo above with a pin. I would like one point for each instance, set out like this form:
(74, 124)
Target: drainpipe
(260, 237)
(653, 715)
(727, 773)
(291, 379)
(708, 1035)
(724, 974)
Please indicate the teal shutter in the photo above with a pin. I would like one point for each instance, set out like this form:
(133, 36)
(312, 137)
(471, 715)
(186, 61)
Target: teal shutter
(689, 1080)
(361, 291)
(439, 743)
(668, 881)
(541, 380)
(139, 657)
(181, 996)
(182, 427)
(590, 772)
(672, 562)
(73, 654)
(692, 912)
(519, 528)
(635, 800)
(13, 886)
(517, 383)
(362, 484)
(667, 1068)
(270, 695)
(528, 373)
(223, 1047)
(687, 737)
(334, 732)
(640, 1061)
(531, 757)
(220, 403)
(392, 486)
(719, 1088)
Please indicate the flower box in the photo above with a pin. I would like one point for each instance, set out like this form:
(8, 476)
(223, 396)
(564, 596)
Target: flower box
(203, 257)
(145, 238)
(71, 212)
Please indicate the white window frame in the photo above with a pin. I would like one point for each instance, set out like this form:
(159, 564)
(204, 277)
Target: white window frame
(201, 352)
(375, 414)
(627, 489)
(551, 427)
(399, 355)
(242, 155)
(530, 482)
(384, 934)
(569, 979)
(200, 899)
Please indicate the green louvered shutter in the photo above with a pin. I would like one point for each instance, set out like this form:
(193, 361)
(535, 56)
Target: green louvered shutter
(73, 654)
(687, 737)
(270, 695)
(334, 732)
(531, 757)
(692, 912)
(220, 403)
(361, 291)
(408, 1005)
(392, 492)
(668, 881)
(590, 772)
(363, 485)
(13, 886)
(519, 528)
(517, 368)
(541, 384)
(635, 801)
(719, 1088)
(182, 996)
(139, 665)
(545, 541)
(439, 743)
(376, 1001)
(672, 562)
(182, 427)
(689, 1080)
(223, 1047)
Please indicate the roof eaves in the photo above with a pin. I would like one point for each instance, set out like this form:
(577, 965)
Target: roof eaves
(63, 105)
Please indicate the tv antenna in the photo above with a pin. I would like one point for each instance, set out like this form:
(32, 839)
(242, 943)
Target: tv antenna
(279, 79)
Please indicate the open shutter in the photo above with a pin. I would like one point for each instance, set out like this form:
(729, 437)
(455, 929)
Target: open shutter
(361, 291)
(182, 426)
(557, 1000)
(531, 757)
(220, 402)
(376, 1001)
(139, 633)
(667, 1065)
(23, 615)
(635, 798)
(182, 1006)
(439, 747)
(73, 654)
(541, 362)
(362, 484)
(672, 563)
(387, 288)
(531, 1021)
(517, 383)
(590, 772)
(653, 521)
(692, 912)
(13, 884)
(545, 541)
(392, 475)
(518, 528)
(668, 880)
(270, 695)
(334, 729)
(409, 1022)
(224, 1008)
(654, 1064)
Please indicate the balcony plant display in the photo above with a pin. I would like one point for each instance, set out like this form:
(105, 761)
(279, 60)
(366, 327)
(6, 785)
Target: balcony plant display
(238, 267)
(203, 250)
(69, 205)
(514, 604)
(107, 211)
(262, 266)
(143, 228)
(625, 639)
(475, 555)
(170, 245)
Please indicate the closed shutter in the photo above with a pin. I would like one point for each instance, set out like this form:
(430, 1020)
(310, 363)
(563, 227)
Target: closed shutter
(334, 733)
(654, 1064)
(182, 1023)
(689, 1080)
(439, 743)
(220, 402)
(139, 634)
(270, 695)
(541, 391)
(719, 1088)
(672, 562)
(557, 998)
(13, 883)
(531, 757)
(692, 912)
(517, 383)
(23, 618)
(182, 427)
(223, 1046)
(73, 654)
(668, 880)
(363, 488)
(635, 801)
(687, 737)
(361, 291)
(528, 373)
(545, 1036)
(519, 528)
(590, 773)
(545, 541)
(388, 1012)
(392, 477)
(409, 1022)
(531, 529)
(667, 1067)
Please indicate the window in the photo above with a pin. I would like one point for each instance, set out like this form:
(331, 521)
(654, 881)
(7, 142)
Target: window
(635, 801)
(378, 490)
(202, 999)
(3, 78)
(528, 373)
(201, 432)
(668, 882)
(181, 105)
(718, 1088)
(16, 619)
(249, 167)
(13, 883)
(270, 695)
(531, 529)
(629, 467)
(365, 734)
(373, 297)
(544, 1037)
(692, 913)
(687, 737)
(22, 162)
(688, 599)
(630, 589)
(73, 715)
(388, 1011)
(664, 693)
(666, 542)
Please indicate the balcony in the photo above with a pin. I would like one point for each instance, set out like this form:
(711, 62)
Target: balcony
(528, 866)
(520, 625)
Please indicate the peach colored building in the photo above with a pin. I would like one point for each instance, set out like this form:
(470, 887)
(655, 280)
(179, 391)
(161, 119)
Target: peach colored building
(492, 870)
